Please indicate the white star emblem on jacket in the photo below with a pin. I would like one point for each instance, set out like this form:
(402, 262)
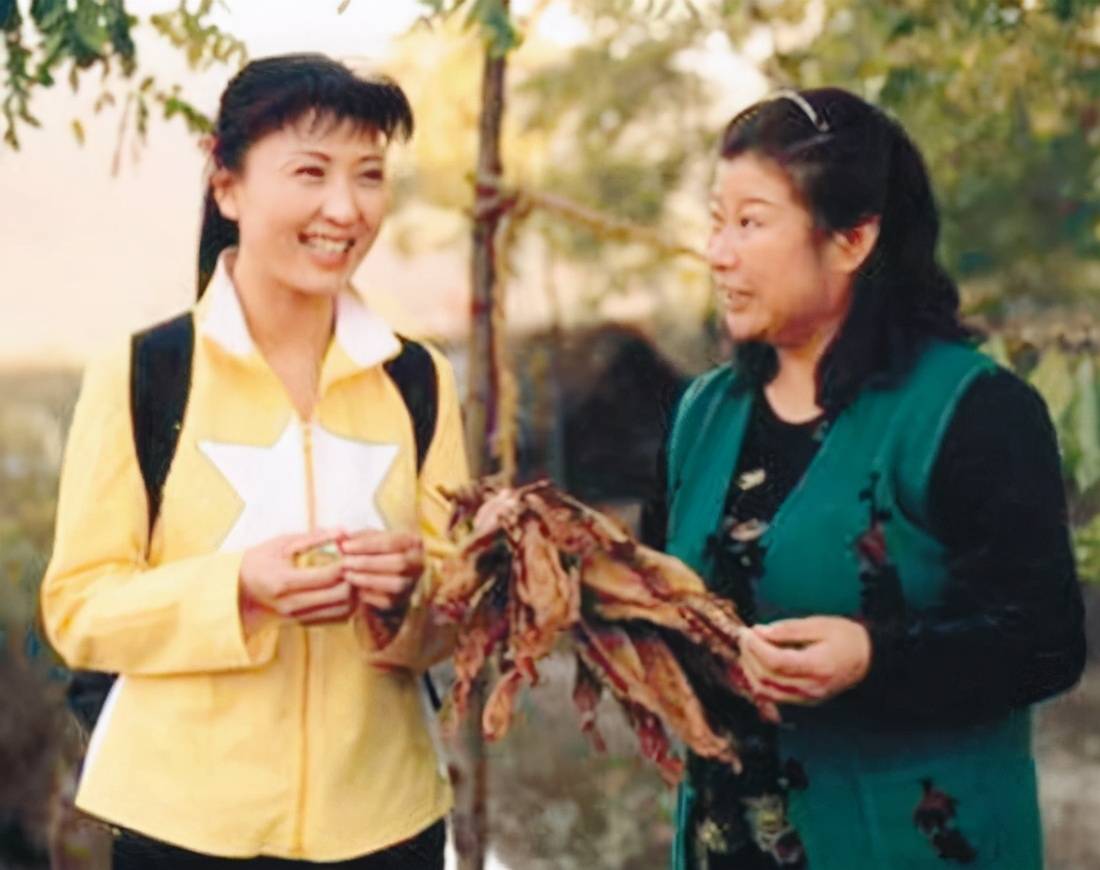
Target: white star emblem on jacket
(272, 483)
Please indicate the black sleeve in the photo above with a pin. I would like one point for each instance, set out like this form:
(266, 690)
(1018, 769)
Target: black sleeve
(653, 529)
(654, 522)
(1010, 629)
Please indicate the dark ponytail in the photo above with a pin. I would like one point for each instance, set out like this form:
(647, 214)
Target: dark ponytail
(851, 163)
(270, 93)
(217, 234)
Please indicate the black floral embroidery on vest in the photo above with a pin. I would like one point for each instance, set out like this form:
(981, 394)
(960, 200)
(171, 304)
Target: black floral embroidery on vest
(747, 811)
(737, 548)
(794, 776)
(881, 598)
(935, 818)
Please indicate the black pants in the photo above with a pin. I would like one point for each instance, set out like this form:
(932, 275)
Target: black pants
(132, 851)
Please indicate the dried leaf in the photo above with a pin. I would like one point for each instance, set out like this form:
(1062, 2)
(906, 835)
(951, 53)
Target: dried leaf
(535, 566)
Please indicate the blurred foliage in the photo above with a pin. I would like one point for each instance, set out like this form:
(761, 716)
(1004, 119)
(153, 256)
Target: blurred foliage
(624, 133)
(42, 38)
(82, 34)
(37, 747)
(1068, 378)
(492, 19)
(33, 419)
(1003, 97)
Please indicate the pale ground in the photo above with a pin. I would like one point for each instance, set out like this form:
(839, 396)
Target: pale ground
(1068, 750)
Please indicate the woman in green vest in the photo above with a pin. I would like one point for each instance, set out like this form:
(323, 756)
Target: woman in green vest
(885, 506)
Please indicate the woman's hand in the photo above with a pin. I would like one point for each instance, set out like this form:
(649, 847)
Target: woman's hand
(805, 661)
(271, 582)
(383, 567)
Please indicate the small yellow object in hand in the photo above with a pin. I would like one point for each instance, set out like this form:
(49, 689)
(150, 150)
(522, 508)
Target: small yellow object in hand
(315, 557)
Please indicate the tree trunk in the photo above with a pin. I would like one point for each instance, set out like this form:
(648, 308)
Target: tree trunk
(482, 423)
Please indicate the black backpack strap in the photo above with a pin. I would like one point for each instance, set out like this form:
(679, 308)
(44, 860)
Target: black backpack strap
(413, 371)
(86, 694)
(160, 383)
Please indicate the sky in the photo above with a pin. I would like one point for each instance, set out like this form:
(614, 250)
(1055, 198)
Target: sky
(90, 256)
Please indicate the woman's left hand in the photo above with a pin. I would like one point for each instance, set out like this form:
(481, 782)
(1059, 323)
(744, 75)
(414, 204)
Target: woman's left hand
(805, 661)
(383, 567)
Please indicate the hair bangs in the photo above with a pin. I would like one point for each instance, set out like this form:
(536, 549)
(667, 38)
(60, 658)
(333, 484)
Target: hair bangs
(322, 102)
(273, 93)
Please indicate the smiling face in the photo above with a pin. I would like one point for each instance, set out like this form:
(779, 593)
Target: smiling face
(780, 280)
(309, 201)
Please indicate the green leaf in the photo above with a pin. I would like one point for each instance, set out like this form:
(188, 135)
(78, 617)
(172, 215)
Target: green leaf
(10, 20)
(1054, 380)
(119, 24)
(496, 25)
(47, 14)
(89, 34)
(52, 48)
(141, 117)
(196, 121)
(78, 131)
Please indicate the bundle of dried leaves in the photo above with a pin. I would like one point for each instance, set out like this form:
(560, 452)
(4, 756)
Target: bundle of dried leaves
(535, 564)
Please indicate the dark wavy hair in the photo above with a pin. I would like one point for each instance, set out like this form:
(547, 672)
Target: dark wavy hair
(849, 162)
(273, 92)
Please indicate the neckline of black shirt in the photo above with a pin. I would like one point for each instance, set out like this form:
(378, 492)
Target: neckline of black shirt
(782, 450)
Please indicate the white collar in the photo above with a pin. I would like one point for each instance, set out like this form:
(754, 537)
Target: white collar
(361, 333)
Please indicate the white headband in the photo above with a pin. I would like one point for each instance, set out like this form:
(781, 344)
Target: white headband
(795, 97)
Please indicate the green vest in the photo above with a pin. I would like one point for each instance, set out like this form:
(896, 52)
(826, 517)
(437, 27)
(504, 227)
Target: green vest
(865, 781)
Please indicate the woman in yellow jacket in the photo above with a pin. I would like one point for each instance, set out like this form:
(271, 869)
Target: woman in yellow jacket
(255, 716)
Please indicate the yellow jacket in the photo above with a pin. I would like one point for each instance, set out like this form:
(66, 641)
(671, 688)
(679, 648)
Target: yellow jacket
(292, 742)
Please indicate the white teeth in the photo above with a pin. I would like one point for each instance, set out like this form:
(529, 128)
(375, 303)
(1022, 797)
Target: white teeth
(329, 246)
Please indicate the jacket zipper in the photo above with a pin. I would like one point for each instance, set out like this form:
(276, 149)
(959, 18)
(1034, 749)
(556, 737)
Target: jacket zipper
(311, 519)
(311, 493)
